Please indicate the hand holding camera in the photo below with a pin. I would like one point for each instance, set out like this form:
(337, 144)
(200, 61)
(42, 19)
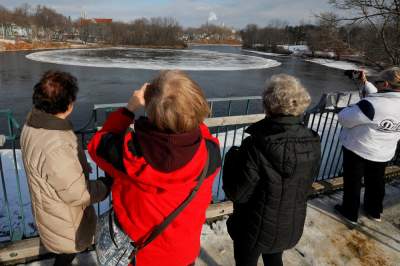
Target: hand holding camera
(137, 99)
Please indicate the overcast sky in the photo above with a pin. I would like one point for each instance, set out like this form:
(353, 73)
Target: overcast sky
(237, 13)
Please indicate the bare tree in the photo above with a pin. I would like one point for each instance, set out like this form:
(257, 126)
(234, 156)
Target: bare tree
(49, 22)
(22, 17)
(382, 17)
(326, 37)
(5, 22)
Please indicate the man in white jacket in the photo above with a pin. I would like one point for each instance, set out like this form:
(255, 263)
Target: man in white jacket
(371, 130)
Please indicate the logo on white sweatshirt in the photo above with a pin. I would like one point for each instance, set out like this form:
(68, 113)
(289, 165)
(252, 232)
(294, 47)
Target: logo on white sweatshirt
(388, 125)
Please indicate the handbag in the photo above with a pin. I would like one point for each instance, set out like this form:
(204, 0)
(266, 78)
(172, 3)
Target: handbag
(114, 247)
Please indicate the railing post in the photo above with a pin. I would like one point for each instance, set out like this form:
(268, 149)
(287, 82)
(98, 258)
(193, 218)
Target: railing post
(13, 136)
(3, 185)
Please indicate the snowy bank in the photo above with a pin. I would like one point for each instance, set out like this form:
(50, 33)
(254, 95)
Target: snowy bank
(343, 65)
(262, 53)
(296, 49)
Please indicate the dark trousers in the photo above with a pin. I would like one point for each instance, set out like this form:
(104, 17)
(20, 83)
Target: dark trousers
(354, 168)
(64, 259)
(245, 257)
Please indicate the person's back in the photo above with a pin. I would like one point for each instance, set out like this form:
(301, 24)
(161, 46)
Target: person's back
(287, 157)
(372, 133)
(156, 166)
(269, 177)
(57, 169)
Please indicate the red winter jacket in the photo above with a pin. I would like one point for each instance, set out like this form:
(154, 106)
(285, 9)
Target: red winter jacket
(153, 174)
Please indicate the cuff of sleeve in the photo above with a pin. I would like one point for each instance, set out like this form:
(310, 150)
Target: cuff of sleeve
(128, 113)
(118, 121)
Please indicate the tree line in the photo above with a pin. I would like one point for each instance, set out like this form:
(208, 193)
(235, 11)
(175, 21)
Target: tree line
(43, 23)
(368, 29)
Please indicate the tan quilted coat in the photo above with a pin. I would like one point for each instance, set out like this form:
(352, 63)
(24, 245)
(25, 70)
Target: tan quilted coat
(61, 193)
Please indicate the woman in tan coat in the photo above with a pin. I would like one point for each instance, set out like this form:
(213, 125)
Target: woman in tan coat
(57, 170)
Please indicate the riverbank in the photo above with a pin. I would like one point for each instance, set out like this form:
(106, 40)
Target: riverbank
(230, 42)
(13, 46)
(346, 63)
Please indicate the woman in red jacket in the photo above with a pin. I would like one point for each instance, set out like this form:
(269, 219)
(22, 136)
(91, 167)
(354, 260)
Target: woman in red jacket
(155, 166)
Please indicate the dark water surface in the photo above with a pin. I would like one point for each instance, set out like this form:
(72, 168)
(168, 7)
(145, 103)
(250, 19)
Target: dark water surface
(18, 75)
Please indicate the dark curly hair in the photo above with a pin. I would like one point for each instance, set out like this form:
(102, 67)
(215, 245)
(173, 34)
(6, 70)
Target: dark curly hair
(55, 92)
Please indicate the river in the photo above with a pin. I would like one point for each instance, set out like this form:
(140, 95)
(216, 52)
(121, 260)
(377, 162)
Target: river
(19, 74)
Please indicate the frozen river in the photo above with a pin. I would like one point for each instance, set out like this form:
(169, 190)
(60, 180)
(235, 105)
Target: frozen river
(110, 75)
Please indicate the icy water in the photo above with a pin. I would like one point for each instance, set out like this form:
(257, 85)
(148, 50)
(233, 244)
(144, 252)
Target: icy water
(109, 76)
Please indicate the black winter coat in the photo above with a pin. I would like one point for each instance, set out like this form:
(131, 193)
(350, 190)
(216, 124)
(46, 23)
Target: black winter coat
(269, 179)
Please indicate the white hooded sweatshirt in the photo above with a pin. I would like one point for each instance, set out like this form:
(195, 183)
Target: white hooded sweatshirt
(371, 128)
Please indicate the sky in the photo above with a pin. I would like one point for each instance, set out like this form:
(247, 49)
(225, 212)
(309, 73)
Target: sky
(235, 13)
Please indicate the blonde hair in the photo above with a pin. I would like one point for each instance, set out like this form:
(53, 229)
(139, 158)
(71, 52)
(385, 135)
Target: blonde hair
(392, 76)
(285, 95)
(175, 103)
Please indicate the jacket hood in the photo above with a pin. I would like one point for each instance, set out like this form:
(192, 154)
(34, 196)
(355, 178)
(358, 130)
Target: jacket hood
(273, 125)
(166, 152)
(268, 134)
(40, 119)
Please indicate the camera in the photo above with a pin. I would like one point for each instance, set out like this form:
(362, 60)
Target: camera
(353, 74)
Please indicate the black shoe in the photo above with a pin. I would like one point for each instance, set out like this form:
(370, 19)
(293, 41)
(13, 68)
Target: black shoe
(339, 209)
(376, 218)
(369, 215)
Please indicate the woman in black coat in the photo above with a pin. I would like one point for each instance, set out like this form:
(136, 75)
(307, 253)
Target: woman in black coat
(269, 176)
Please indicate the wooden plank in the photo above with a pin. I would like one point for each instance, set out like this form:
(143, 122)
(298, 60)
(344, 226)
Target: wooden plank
(21, 249)
(318, 187)
(233, 120)
(239, 98)
(334, 183)
(392, 171)
(229, 120)
(219, 209)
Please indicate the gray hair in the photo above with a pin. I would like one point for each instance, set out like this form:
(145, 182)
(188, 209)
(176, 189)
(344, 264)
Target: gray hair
(285, 95)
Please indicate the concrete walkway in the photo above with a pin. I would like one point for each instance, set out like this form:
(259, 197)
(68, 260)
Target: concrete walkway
(326, 239)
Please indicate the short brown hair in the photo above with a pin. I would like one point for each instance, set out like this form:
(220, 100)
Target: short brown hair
(285, 95)
(175, 103)
(55, 92)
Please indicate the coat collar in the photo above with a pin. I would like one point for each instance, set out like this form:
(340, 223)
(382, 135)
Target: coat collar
(164, 151)
(274, 122)
(40, 119)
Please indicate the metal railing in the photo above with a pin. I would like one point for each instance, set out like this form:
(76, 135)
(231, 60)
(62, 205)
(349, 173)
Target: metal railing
(9, 138)
(228, 120)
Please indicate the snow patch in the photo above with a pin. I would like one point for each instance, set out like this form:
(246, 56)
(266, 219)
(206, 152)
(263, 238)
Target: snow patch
(344, 65)
(296, 49)
(262, 53)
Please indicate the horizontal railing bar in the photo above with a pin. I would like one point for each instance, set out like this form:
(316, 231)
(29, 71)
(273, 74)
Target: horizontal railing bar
(240, 98)
(108, 105)
(229, 120)
(233, 120)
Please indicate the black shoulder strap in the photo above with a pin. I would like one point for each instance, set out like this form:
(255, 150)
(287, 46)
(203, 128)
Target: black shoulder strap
(161, 227)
